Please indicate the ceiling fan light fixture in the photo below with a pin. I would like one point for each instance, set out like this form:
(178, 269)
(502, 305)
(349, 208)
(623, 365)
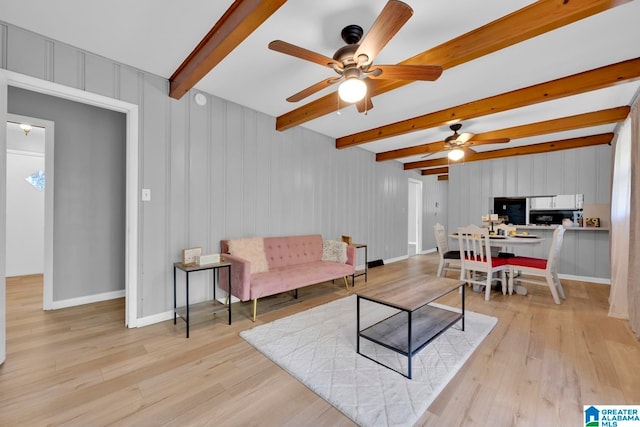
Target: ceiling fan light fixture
(455, 154)
(352, 90)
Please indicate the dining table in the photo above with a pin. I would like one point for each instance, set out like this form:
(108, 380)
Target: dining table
(511, 241)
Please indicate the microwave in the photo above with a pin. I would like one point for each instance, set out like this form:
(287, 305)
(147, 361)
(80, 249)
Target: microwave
(549, 217)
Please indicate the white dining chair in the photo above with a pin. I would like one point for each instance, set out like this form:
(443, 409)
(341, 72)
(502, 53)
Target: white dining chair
(449, 260)
(548, 268)
(475, 257)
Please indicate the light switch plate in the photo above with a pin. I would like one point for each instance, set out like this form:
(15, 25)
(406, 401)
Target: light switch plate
(146, 194)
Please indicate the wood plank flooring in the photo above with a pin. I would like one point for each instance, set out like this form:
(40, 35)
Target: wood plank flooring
(81, 367)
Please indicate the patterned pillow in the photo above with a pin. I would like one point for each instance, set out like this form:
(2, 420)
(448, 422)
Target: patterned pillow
(333, 250)
(252, 250)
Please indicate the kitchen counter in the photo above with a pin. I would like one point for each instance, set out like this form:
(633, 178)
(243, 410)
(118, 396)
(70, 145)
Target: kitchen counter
(553, 227)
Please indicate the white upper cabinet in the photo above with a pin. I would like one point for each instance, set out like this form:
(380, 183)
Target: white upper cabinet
(560, 202)
(566, 201)
(541, 203)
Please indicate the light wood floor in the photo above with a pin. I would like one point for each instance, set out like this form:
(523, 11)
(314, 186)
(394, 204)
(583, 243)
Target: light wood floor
(81, 366)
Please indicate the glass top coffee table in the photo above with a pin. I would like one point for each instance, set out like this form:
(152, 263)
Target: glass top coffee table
(416, 323)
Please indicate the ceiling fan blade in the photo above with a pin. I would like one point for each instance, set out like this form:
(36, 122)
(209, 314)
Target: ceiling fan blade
(428, 155)
(489, 141)
(468, 151)
(302, 53)
(311, 90)
(406, 72)
(364, 104)
(465, 137)
(434, 147)
(394, 15)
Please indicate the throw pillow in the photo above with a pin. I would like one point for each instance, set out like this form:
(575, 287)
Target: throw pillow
(333, 250)
(251, 249)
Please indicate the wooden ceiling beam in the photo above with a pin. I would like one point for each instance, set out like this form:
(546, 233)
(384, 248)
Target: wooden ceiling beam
(443, 177)
(565, 144)
(237, 23)
(526, 23)
(575, 84)
(435, 171)
(578, 121)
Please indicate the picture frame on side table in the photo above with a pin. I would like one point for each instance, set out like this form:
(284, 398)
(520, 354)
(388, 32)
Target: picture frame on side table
(189, 256)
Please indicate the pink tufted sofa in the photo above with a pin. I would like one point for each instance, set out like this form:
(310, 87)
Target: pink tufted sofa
(293, 262)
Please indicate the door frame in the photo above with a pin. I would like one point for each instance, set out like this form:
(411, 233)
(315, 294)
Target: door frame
(49, 133)
(418, 214)
(10, 78)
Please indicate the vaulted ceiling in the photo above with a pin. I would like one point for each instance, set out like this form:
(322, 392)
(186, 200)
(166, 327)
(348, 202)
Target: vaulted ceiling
(548, 75)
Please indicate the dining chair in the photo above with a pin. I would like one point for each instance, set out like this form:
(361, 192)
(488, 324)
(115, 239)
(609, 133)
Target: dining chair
(449, 260)
(540, 266)
(475, 250)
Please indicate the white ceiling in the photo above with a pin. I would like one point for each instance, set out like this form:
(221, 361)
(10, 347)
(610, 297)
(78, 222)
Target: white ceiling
(19, 141)
(157, 35)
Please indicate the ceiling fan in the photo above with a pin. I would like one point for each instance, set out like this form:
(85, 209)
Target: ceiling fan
(458, 143)
(354, 62)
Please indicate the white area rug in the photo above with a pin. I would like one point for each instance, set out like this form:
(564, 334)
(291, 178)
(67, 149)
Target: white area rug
(318, 347)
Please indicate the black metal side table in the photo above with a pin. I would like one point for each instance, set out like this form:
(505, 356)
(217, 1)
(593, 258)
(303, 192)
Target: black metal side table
(366, 263)
(190, 269)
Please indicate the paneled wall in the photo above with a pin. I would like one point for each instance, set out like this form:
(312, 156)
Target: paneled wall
(222, 171)
(580, 171)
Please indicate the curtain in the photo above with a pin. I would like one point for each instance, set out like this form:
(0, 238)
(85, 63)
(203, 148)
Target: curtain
(634, 222)
(624, 298)
(620, 209)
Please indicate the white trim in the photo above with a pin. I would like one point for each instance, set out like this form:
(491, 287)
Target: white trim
(10, 78)
(601, 280)
(400, 258)
(155, 318)
(49, 197)
(418, 214)
(89, 299)
(3, 217)
(24, 153)
(429, 251)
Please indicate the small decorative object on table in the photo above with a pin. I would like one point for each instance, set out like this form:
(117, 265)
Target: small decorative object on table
(592, 222)
(347, 239)
(491, 219)
(189, 256)
(207, 259)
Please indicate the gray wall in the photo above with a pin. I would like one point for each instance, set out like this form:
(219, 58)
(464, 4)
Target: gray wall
(584, 170)
(222, 171)
(89, 205)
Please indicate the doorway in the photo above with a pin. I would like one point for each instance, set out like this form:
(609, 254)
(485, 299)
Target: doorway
(36, 207)
(10, 78)
(415, 217)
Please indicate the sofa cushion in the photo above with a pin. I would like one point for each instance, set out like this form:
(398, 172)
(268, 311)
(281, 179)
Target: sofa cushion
(295, 276)
(292, 250)
(251, 249)
(332, 250)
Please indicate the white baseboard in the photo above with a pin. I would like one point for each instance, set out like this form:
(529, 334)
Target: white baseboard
(429, 251)
(168, 315)
(601, 280)
(154, 318)
(400, 258)
(72, 302)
